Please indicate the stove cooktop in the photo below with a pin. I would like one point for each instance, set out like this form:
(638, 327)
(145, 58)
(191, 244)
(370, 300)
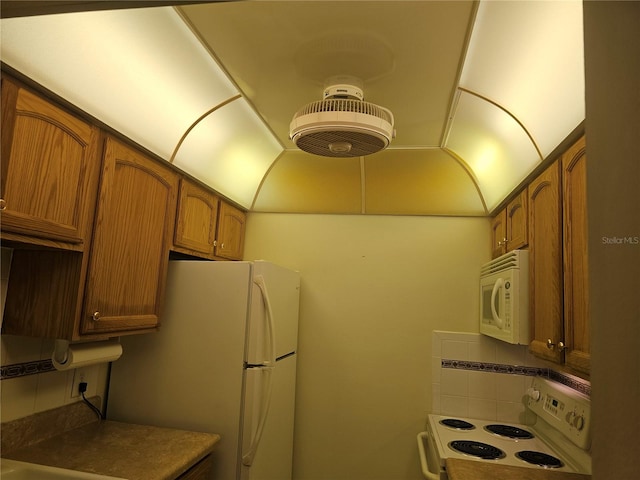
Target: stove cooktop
(501, 443)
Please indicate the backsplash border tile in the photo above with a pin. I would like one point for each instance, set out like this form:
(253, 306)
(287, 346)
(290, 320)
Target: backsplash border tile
(575, 383)
(24, 369)
(493, 367)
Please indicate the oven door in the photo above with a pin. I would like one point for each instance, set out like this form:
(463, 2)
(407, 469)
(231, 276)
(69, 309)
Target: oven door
(431, 466)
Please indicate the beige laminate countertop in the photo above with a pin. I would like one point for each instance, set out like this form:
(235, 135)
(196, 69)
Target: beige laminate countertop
(72, 437)
(472, 470)
(134, 452)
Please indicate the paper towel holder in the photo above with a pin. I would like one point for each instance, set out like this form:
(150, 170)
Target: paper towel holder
(60, 351)
(67, 356)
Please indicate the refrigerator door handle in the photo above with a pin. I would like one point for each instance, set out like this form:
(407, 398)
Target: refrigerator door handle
(259, 281)
(247, 458)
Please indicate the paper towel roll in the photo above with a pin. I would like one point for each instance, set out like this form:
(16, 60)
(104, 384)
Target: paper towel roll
(83, 354)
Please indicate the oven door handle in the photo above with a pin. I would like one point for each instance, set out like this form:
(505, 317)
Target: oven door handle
(422, 437)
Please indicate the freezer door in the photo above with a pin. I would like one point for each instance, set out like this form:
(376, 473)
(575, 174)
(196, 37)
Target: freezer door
(189, 375)
(273, 317)
(267, 441)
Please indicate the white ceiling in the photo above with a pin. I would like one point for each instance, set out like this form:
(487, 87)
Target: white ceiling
(481, 92)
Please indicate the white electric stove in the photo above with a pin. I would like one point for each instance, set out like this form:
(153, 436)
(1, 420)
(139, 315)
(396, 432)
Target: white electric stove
(559, 439)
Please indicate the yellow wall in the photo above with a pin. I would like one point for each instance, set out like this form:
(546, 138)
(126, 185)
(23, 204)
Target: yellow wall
(373, 289)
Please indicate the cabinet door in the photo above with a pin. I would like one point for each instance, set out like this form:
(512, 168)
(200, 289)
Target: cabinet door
(200, 471)
(50, 169)
(517, 222)
(231, 226)
(499, 234)
(576, 275)
(196, 220)
(132, 237)
(545, 265)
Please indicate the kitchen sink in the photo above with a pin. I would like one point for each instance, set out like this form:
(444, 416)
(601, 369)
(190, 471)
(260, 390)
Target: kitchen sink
(14, 470)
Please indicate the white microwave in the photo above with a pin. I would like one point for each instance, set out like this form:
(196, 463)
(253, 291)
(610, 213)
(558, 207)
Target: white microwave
(504, 297)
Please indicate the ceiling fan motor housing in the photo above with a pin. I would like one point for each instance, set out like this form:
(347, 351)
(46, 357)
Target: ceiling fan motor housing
(342, 125)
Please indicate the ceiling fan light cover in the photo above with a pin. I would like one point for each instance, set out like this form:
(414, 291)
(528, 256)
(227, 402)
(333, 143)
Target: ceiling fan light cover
(338, 127)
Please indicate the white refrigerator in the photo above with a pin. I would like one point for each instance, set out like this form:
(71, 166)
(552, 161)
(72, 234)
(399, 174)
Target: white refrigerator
(223, 361)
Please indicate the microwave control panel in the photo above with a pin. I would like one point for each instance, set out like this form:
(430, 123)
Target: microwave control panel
(507, 305)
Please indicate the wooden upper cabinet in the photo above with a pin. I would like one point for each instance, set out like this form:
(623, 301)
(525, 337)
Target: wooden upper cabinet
(509, 228)
(576, 276)
(130, 249)
(50, 167)
(231, 228)
(499, 234)
(518, 222)
(545, 265)
(196, 220)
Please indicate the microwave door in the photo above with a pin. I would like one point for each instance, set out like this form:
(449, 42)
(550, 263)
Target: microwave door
(492, 304)
(496, 311)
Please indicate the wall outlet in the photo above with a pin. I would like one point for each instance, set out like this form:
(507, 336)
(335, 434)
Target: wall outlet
(79, 375)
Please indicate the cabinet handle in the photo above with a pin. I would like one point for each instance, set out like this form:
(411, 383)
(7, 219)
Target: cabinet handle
(502, 242)
(550, 344)
(561, 346)
(222, 246)
(96, 316)
(3, 204)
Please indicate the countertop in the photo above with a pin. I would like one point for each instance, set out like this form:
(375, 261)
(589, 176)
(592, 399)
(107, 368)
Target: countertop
(134, 452)
(472, 470)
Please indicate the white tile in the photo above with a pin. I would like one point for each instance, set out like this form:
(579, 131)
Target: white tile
(482, 385)
(436, 369)
(482, 351)
(454, 382)
(469, 337)
(458, 336)
(483, 409)
(435, 399)
(531, 360)
(511, 388)
(52, 390)
(454, 406)
(510, 354)
(455, 350)
(511, 412)
(18, 397)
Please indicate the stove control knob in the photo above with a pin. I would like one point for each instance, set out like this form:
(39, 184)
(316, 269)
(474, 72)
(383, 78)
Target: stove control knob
(575, 420)
(533, 394)
(578, 422)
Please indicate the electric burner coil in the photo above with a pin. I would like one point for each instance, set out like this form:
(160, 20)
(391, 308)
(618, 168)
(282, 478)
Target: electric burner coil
(457, 424)
(509, 431)
(477, 449)
(540, 459)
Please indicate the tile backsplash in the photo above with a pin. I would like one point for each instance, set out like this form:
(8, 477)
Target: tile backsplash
(476, 376)
(29, 383)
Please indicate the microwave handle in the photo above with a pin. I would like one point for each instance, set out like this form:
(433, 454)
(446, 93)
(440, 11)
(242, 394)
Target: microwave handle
(496, 286)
